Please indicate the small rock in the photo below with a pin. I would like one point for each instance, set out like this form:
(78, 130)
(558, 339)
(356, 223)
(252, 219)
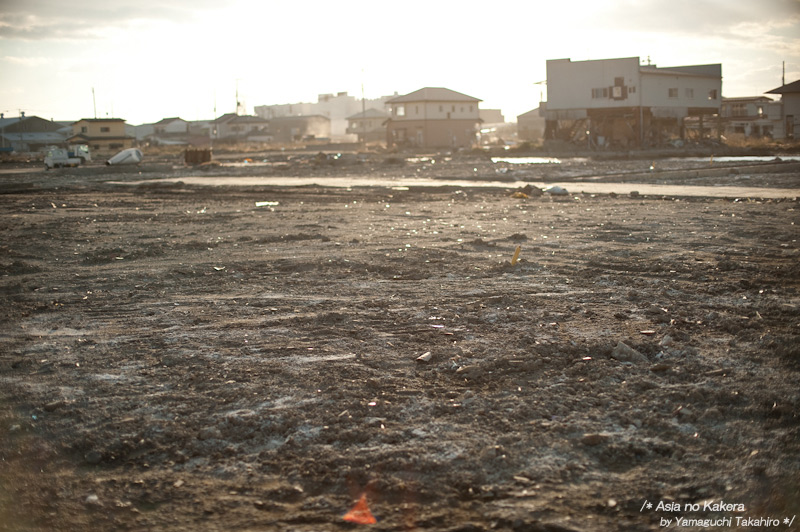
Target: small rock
(469, 372)
(93, 457)
(54, 405)
(556, 190)
(625, 353)
(93, 500)
(208, 433)
(594, 439)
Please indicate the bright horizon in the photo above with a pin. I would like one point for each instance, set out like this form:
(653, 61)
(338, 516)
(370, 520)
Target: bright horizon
(147, 61)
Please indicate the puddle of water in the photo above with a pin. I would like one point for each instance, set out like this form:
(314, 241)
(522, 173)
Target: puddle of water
(572, 188)
(738, 158)
(714, 159)
(531, 160)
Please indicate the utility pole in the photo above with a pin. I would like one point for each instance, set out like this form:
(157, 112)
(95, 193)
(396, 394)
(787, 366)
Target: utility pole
(363, 108)
(238, 103)
(21, 129)
(541, 90)
(94, 103)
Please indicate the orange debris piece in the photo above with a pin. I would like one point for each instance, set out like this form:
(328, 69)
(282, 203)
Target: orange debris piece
(360, 513)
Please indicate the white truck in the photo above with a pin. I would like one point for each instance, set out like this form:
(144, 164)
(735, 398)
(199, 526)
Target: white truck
(59, 157)
(75, 155)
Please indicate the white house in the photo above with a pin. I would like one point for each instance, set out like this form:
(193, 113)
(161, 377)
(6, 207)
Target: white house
(623, 102)
(790, 99)
(238, 127)
(752, 116)
(369, 125)
(170, 131)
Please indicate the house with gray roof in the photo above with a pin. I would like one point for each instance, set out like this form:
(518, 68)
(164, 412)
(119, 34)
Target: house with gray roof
(433, 117)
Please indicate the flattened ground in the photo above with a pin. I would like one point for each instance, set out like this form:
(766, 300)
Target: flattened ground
(177, 358)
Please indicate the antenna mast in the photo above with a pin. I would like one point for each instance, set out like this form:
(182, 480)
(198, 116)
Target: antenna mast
(238, 103)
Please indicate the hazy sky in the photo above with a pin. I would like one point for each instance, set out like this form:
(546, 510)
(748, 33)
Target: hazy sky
(151, 60)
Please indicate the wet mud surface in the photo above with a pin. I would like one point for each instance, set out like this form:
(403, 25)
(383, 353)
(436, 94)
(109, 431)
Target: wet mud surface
(180, 358)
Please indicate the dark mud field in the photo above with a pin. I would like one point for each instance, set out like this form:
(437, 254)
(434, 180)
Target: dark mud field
(186, 358)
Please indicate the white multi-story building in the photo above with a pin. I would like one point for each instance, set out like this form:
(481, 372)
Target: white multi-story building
(621, 101)
(336, 107)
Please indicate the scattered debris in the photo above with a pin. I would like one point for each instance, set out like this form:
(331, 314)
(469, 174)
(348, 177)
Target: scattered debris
(425, 357)
(129, 156)
(360, 513)
(556, 190)
(531, 191)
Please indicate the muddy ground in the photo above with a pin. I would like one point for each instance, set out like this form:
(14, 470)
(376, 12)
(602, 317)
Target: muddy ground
(178, 358)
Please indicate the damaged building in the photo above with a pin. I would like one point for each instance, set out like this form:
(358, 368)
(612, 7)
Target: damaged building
(621, 103)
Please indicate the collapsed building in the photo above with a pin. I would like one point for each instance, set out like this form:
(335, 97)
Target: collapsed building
(624, 103)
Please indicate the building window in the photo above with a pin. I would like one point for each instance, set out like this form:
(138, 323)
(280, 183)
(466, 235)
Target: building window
(105, 129)
(600, 93)
(690, 93)
(712, 94)
(619, 82)
(760, 111)
(441, 108)
(84, 129)
(400, 110)
(454, 108)
(673, 93)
